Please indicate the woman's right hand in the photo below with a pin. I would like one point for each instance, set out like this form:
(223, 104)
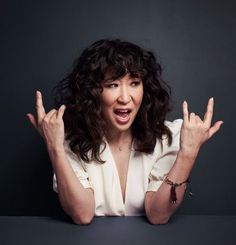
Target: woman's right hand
(50, 126)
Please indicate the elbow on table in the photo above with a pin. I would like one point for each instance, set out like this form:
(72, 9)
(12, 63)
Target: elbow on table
(86, 220)
(158, 220)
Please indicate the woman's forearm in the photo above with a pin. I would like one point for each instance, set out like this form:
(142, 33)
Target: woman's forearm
(77, 201)
(161, 207)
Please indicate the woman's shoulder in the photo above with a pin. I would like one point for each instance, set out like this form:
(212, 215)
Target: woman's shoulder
(174, 125)
(175, 128)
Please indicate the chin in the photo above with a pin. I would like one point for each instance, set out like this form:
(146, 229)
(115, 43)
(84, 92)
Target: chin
(124, 127)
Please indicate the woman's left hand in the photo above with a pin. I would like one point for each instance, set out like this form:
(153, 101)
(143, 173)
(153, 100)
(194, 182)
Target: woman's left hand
(194, 131)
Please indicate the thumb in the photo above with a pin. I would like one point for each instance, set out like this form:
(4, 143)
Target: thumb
(61, 111)
(32, 119)
(215, 128)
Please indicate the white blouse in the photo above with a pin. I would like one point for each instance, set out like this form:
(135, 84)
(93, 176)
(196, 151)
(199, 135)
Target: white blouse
(145, 173)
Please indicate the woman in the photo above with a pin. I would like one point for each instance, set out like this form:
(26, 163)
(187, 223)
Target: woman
(112, 151)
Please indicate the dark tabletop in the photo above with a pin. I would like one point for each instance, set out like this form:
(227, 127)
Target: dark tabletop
(181, 229)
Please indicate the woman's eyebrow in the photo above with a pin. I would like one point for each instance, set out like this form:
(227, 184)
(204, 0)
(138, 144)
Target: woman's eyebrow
(106, 82)
(136, 79)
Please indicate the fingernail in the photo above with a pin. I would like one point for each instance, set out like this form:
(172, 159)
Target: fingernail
(212, 98)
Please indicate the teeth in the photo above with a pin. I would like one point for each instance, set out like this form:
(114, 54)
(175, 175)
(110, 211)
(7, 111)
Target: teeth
(123, 111)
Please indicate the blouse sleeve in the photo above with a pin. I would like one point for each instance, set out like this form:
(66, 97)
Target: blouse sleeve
(164, 163)
(77, 166)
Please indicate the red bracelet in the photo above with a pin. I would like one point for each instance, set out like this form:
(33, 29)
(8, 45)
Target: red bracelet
(173, 186)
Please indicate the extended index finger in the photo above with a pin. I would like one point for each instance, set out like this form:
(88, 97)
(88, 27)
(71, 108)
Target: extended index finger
(185, 112)
(209, 113)
(39, 106)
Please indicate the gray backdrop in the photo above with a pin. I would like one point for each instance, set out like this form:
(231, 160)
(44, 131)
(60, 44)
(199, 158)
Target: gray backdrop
(195, 41)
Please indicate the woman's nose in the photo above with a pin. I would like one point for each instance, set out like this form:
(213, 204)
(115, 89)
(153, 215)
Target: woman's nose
(124, 96)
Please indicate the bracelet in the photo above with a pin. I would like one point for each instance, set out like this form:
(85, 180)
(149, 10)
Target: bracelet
(174, 185)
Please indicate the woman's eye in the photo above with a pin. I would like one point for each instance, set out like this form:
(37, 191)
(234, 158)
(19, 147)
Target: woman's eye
(135, 83)
(112, 85)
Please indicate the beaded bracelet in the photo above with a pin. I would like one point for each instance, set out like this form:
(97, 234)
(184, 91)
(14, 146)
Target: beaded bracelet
(174, 185)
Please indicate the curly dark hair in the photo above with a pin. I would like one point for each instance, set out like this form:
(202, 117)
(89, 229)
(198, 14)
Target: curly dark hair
(80, 92)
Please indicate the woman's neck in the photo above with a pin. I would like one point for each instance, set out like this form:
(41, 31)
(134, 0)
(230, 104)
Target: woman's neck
(119, 138)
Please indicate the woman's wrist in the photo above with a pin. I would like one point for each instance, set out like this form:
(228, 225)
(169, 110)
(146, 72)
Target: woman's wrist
(186, 160)
(182, 168)
(189, 153)
(55, 150)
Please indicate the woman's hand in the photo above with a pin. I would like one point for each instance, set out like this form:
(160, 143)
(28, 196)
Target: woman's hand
(194, 131)
(50, 126)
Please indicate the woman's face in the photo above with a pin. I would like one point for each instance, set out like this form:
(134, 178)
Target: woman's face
(120, 101)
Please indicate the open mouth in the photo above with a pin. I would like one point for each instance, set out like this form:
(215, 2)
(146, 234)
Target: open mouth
(122, 112)
(122, 115)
